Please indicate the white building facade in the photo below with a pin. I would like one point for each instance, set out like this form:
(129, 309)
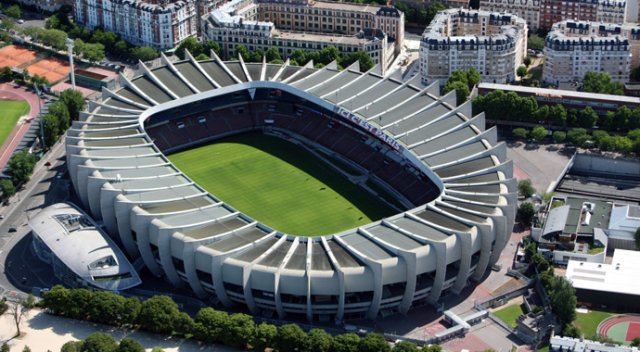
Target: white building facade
(235, 24)
(574, 48)
(144, 23)
(494, 44)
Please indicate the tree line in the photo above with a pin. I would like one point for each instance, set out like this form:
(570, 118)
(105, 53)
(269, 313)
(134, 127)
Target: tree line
(561, 293)
(91, 45)
(55, 122)
(420, 14)
(462, 81)
(160, 314)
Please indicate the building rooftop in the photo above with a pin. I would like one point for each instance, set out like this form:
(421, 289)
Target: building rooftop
(621, 276)
(73, 237)
(558, 93)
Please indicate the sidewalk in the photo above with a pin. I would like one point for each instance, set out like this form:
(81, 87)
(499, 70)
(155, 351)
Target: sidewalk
(43, 332)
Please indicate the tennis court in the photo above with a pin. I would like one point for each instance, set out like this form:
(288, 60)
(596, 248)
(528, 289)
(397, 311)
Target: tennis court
(52, 69)
(15, 56)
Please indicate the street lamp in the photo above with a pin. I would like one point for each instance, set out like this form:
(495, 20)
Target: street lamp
(69, 43)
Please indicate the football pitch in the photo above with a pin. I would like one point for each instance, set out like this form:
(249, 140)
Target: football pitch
(280, 185)
(10, 112)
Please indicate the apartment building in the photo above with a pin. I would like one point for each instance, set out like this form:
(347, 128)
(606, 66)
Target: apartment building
(573, 48)
(544, 13)
(332, 17)
(492, 43)
(528, 10)
(159, 24)
(232, 25)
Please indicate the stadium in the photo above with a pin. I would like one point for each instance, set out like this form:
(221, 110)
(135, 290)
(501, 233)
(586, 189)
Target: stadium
(444, 196)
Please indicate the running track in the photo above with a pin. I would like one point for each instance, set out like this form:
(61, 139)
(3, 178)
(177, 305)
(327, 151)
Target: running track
(8, 92)
(603, 328)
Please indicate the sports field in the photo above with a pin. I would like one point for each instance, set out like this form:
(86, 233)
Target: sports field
(280, 184)
(10, 112)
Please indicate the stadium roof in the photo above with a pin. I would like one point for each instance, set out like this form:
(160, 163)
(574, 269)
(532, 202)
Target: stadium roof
(442, 140)
(77, 242)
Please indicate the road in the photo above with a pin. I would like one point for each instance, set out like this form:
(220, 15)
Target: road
(19, 271)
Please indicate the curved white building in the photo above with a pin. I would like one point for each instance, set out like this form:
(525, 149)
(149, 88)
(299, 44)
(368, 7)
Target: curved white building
(79, 252)
(453, 180)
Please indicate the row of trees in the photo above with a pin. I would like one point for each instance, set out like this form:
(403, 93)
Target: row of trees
(201, 51)
(462, 81)
(299, 58)
(103, 342)
(420, 14)
(89, 41)
(58, 119)
(160, 314)
(561, 293)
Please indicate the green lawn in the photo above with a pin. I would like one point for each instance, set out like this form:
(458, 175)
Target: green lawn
(588, 323)
(510, 314)
(10, 112)
(280, 184)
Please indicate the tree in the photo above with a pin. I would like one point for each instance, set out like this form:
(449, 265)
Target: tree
(559, 136)
(158, 314)
(13, 11)
(431, 348)
(577, 136)
(328, 54)
(635, 342)
(5, 347)
(273, 54)
(558, 115)
(6, 74)
(637, 238)
(319, 341)
(601, 82)
(192, 45)
(405, 346)
(346, 343)
(211, 45)
(93, 52)
(522, 71)
(572, 331)
(587, 117)
(106, 308)
(8, 24)
(291, 338)
(539, 133)
(18, 312)
(7, 188)
(128, 344)
(520, 133)
(21, 166)
(527, 60)
(525, 188)
(526, 213)
(51, 130)
(201, 57)
(61, 112)
(74, 101)
(57, 300)
(240, 329)
(210, 325)
(373, 343)
(99, 342)
(144, 53)
(26, 349)
(535, 43)
(461, 88)
(132, 307)
(264, 337)
(54, 38)
(241, 50)
(364, 60)
(563, 300)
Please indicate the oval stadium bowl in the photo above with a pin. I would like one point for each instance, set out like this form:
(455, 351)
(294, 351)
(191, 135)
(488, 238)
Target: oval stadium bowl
(450, 180)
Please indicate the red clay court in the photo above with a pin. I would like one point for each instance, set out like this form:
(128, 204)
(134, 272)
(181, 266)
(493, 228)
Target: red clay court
(621, 328)
(53, 69)
(15, 56)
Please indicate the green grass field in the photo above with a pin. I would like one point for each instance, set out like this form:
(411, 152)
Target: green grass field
(10, 112)
(588, 323)
(280, 184)
(510, 314)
